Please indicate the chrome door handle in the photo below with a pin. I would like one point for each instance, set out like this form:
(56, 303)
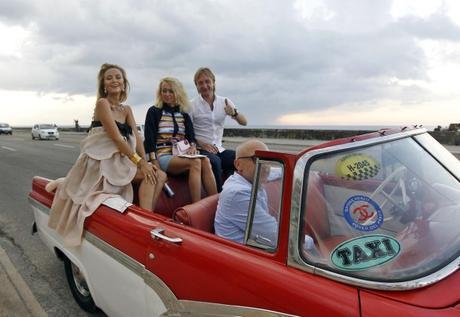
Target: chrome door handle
(157, 234)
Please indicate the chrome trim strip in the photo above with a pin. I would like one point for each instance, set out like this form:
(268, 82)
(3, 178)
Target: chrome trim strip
(205, 309)
(168, 298)
(120, 257)
(294, 258)
(38, 205)
(252, 203)
(396, 286)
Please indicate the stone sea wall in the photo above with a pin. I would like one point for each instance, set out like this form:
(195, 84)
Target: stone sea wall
(443, 137)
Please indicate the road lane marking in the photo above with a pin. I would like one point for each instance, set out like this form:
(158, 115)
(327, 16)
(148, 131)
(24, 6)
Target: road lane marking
(8, 148)
(63, 145)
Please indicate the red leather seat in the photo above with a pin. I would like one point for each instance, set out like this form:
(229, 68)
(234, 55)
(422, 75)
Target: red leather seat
(274, 189)
(317, 221)
(199, 215)
(165, 204)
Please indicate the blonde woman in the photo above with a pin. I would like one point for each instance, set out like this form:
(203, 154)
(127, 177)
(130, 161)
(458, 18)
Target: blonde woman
(112, 156)
(168, 122)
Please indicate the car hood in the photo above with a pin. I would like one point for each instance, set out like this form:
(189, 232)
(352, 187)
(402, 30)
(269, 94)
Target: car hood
(49, 130)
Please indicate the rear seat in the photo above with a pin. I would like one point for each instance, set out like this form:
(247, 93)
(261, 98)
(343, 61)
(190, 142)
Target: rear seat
(166, 205)
(199, 215)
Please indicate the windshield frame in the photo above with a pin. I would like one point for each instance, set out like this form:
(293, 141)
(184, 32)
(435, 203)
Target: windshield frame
(294, 257)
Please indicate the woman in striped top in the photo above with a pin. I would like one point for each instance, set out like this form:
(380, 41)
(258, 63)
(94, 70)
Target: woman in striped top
(168, 122)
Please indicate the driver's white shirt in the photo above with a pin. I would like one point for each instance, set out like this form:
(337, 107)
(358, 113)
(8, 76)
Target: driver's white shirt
(232, 211)
(209, 124)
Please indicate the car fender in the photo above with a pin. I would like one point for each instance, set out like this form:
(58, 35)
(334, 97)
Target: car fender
(54, 242)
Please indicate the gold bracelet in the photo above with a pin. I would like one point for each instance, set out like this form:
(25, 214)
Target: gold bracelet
(135, 158)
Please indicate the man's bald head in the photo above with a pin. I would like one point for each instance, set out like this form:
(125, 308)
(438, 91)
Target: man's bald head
(249, 147)
(244, 162)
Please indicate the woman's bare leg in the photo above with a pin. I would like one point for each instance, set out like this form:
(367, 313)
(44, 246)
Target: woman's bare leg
(209, 181)
(148, 193)
(161, 179)
(179, 165)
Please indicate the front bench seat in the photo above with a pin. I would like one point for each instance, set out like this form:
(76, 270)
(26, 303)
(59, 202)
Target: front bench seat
(199, 215)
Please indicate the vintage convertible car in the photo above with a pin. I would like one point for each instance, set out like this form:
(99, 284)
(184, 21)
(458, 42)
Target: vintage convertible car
(383, 210)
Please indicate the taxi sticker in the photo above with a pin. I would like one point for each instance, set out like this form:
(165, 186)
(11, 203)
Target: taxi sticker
(357, 166)
(365, 252)
(362, 213)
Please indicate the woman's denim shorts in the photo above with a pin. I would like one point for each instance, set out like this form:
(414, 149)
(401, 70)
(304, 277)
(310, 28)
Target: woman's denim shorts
(164, 161)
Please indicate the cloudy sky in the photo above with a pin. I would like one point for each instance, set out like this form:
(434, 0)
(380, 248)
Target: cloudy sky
(303, 62)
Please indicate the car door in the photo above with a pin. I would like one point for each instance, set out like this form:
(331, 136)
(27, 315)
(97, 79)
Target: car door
(203, 274)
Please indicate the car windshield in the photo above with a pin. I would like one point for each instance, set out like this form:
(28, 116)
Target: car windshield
(4, 125)
(388, 212)
(47, 126)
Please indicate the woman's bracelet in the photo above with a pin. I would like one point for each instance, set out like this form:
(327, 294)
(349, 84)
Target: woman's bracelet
(135, 158)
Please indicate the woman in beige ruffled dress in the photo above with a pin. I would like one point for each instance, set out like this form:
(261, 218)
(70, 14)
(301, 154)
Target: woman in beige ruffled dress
(112, 156)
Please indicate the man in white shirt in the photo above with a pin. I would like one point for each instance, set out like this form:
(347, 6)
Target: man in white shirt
(208, 114)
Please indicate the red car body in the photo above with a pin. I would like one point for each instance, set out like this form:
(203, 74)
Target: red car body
(195, 272)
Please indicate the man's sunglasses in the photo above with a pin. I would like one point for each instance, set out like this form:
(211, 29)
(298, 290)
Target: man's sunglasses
(252, 157)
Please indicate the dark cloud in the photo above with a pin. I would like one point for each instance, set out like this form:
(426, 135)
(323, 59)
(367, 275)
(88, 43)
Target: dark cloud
(265, 54)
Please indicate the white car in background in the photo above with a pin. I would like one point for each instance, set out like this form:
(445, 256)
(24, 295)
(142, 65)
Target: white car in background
(140, 129)
(5, 129)
(45, 131)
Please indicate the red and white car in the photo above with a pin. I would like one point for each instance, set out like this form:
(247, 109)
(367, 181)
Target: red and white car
(383, 210)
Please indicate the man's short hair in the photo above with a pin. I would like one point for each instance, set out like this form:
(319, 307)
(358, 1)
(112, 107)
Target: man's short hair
(204, 71)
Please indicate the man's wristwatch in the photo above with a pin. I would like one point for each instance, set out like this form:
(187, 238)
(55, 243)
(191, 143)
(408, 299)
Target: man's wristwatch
(235, 113)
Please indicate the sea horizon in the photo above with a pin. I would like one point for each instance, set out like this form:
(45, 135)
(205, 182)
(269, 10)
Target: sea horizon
(283, 127)
(328, 127)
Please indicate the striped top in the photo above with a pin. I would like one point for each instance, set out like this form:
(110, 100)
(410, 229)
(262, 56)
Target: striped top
(165, 125)
(166, 135)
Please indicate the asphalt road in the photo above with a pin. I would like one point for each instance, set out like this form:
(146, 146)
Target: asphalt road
(20, 160)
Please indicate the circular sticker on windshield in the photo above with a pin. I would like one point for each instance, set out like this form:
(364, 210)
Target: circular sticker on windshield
(362, 213)
(357, 166)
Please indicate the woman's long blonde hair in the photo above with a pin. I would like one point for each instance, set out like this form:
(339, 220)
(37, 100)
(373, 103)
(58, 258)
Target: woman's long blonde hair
(179, 93)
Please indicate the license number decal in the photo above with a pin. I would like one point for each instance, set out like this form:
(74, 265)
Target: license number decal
(357, 166)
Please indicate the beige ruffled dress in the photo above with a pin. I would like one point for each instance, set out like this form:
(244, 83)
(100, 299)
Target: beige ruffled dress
(99, 173)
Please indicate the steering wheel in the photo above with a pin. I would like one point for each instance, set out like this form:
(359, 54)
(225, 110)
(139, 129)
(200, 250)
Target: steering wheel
(396, 174)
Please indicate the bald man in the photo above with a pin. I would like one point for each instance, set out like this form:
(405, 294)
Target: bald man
(233, 204)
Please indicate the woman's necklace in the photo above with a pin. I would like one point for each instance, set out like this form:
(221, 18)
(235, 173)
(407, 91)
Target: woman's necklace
(118, 107)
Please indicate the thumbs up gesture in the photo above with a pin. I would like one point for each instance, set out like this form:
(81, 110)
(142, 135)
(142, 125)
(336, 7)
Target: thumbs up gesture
(229, 109)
